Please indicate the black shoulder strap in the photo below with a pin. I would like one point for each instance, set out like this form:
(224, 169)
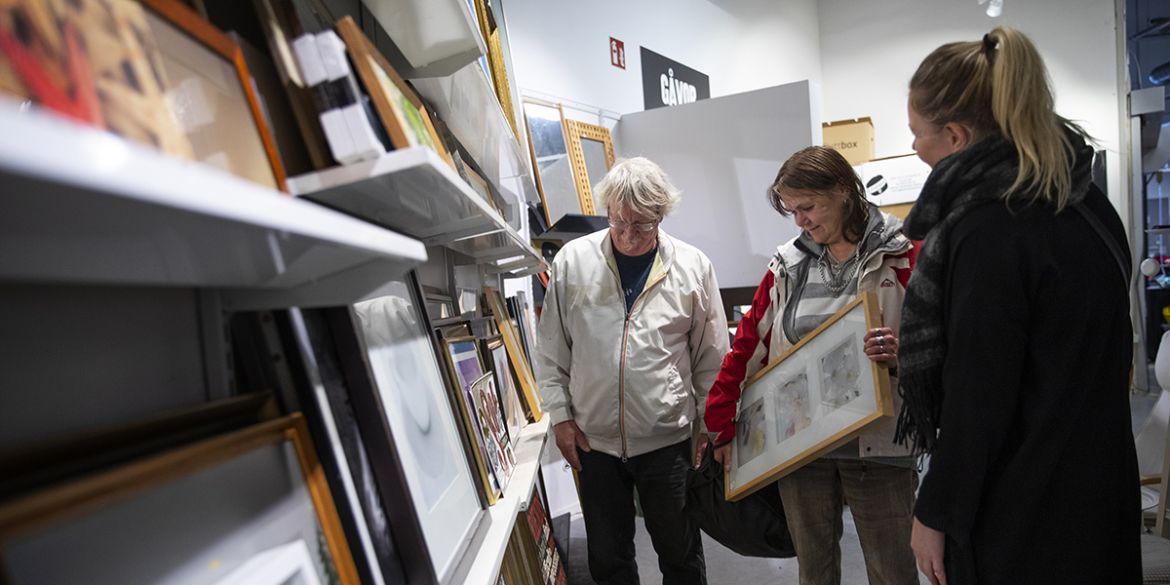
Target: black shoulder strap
(1110, 242)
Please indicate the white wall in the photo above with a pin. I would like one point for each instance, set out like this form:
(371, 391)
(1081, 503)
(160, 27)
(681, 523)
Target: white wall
(723, 153)
(561, 47)
(869, 50)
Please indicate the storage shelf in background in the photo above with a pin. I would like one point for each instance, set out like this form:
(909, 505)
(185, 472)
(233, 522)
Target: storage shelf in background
(486, 553)
(572, 226)
(413, 191)
(468, 105)
(83, 206)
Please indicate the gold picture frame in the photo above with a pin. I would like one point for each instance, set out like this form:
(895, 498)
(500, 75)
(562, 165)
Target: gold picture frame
(399, 108)
(813, 398)
(224, 123)
(576, 132)
(465, 366)
(26, 516)
(520, 363)
(497, 64)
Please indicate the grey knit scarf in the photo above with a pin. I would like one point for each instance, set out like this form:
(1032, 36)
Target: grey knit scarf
(977, 175)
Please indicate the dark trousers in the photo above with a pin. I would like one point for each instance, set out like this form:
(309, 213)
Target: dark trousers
(607, 501)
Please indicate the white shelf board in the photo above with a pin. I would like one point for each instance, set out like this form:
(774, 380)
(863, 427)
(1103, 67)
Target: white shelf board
(470, 108)
(83, 206)
(413, 191)
(436, 37)
(483, 560)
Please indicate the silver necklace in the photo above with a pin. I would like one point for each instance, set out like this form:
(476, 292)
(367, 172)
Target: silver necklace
(837, 279)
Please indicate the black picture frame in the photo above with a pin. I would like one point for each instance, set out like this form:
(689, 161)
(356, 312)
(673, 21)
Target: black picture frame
(313, 359)
(386, 454)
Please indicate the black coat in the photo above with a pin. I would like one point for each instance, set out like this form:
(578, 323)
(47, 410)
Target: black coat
(1034, 477)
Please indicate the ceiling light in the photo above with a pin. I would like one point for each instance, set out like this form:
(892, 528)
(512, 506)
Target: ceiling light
(994, 7)
(1160, 74)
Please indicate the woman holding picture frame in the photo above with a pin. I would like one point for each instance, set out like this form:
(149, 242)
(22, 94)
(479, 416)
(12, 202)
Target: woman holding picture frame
(1018, 342)
(846, 246)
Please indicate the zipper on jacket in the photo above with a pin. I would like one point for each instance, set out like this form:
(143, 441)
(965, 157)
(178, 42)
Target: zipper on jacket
(622, 363)
(622, 386)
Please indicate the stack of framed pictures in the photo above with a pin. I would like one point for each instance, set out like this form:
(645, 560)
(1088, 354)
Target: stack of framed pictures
(322, 392)
(516, 354)
(518, 311)
(809, 400)
(243, 493)
(404, 410)
(399, 108)
(479, 407)
(511, 401)
(550, 565)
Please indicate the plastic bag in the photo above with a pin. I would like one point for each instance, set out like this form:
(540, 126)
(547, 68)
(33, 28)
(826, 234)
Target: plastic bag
(753, 527)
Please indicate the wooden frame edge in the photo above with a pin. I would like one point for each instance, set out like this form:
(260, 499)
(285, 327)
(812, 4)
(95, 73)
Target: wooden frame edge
(883, 400)
(515, 350)
(359, 46)
(189, 21)
(476, 447)
(89, 493)
(535, 167)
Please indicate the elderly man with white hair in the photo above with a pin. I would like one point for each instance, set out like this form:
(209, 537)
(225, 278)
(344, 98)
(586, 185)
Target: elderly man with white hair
(632, 336)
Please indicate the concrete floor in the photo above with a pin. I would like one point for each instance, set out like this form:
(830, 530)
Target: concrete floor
(725, 566)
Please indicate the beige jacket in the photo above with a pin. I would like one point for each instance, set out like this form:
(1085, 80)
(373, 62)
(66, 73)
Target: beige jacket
(632, 383)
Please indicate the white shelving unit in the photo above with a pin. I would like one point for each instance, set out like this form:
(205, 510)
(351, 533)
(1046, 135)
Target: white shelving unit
(82, 206)
(466, 101)
(484, 558)
(436, 37)
(413, 191)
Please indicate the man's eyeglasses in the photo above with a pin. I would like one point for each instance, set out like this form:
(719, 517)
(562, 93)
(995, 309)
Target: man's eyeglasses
(638, 226)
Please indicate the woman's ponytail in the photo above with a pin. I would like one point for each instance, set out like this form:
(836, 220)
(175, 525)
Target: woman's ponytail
(1000, 85)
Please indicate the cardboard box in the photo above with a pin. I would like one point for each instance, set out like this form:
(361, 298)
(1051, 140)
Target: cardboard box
(852, 138)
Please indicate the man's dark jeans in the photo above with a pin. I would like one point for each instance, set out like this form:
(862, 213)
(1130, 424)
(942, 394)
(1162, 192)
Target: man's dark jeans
(607, 501)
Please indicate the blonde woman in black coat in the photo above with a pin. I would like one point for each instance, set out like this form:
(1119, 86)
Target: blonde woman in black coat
(1016, 339)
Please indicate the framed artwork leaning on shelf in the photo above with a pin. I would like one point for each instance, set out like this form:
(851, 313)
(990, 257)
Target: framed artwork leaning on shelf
(480, 186)
(403, 407)
(495, 433)
(93, 61)
(193, 514)
(401, 110)
(520, 363)
(317, 368)
(498, 62)
(211, 93)
(465, 366)
(511, 401)
(809, 400)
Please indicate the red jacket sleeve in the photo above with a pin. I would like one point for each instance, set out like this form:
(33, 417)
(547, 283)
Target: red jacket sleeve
(724, 394)
(912, 256)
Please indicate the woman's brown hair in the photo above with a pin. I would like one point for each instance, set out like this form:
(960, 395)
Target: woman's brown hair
(1000, 86)
(823, 170)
